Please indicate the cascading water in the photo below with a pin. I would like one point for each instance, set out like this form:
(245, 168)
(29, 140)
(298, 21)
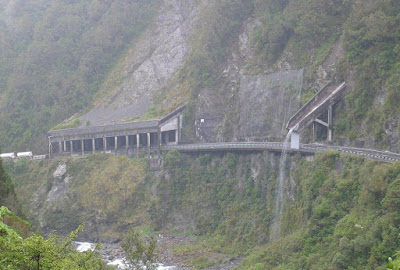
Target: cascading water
(276, 222)
(276, 97)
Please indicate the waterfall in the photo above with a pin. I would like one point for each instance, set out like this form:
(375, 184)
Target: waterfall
(279, 190)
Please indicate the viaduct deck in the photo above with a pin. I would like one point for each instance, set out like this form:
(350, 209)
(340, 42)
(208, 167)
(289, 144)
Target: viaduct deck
(305, 149)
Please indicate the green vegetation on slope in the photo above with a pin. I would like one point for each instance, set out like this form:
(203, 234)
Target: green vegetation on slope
(346, 213)
(371, 39)
(369, 33)
(211, 45)
(304, 27)
(218, 195)
(6, 186)
(342, 211)
(53, 58)
(106, 192)
(7, 193)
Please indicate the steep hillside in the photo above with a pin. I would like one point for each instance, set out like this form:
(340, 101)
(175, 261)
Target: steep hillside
(340, 212)
(242, 67)
(54, 57)
(99, 191)
(331, 40)
(8, 197)
(107, 62)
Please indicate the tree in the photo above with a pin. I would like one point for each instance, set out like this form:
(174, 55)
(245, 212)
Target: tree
(38, 253)
(140, 253)
(395, 265)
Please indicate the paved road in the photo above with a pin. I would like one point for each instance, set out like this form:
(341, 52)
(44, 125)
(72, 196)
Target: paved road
(277, 147)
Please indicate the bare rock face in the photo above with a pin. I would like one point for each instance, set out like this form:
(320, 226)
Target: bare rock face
(49, 199)
(267, 102)
(59, 183)
(149, 64)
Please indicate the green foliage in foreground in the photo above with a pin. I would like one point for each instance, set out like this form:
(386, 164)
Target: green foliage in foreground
(395, 265)
(139, 253)
(36, 252)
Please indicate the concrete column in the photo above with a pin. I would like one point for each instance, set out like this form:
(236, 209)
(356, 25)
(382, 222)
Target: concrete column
(295, 140)
(159, 142)
(93, 145)
(148, 144)
(82, 147)
(330, 123)
(49, 148)
(166, 137)
(70, 147)
(314, 130)
(65, 146)
(105, 143)
(178, 131)
(116, 143)
(60, 147)
(137, 144)
(126, 142)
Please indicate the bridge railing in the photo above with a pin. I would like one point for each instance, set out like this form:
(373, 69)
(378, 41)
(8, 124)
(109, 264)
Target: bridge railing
(278, 146)
(225, 146)
(369, 153)
(259, 146)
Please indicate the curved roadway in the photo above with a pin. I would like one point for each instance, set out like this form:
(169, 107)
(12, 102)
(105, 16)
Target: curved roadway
(384, 156)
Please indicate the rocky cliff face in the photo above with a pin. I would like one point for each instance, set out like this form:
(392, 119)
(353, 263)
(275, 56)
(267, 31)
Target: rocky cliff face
(247, 107)
(242, 75)
(151, 61)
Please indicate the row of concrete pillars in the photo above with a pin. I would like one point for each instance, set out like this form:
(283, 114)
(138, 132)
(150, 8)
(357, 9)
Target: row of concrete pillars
(140, 140)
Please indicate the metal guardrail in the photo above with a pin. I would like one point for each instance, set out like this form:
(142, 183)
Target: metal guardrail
(371, 154)
(278, 146)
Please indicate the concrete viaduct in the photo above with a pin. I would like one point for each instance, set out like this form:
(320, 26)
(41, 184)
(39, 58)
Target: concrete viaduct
(165, 134)
(304, 149)
(126, 138)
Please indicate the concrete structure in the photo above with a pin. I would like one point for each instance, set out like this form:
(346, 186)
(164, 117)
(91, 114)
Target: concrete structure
(307, 150)
(295, 140)
(321, 105)
(127, 138)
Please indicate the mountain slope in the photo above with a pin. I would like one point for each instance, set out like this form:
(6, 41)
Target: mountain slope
(157, 55)
(340, 212)
(55, 56)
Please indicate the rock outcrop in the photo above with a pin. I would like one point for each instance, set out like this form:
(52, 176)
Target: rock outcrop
(148, 65)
